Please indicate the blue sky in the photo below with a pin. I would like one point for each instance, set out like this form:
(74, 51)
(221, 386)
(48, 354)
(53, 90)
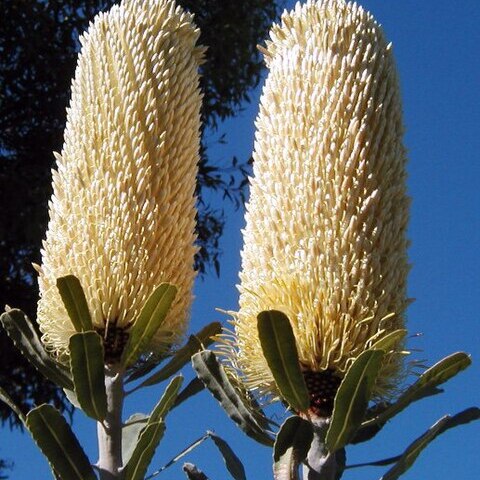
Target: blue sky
(436, 47)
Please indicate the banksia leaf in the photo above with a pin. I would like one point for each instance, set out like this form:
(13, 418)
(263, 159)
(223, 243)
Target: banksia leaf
(325, 236)
(122, 213)
(87, 367)
(142, 455)
(351, 401)
(407, 459)
(7, 400)
(73, 298)
(425, 386)
(232, 462)
(148, 322)
(20, 329)
(167, 401)
(57, 442)
(193, 472)
(291, 447)
(182, 356)
(278, 346)
(195, 386)
(212, 374)
(130, 432)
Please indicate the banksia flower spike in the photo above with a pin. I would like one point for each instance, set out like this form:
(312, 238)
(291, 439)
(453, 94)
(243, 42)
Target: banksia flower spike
(122, 214)
(325, 236)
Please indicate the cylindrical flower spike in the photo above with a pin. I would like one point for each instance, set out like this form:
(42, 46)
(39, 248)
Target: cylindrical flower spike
(325, 237)
(122, 214)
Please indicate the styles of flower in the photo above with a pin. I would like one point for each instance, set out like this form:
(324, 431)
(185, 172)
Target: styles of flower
(325, 237)
(122, 213)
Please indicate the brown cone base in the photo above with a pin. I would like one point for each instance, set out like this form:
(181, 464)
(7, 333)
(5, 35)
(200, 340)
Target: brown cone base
(322, 387)
(114, 342)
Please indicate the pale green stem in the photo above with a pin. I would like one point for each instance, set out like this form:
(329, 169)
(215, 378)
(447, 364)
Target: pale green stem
(320, 464)
(110, 430)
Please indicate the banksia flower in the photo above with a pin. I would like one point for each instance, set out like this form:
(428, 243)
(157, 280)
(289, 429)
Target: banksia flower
(325, 236)
(122, 214)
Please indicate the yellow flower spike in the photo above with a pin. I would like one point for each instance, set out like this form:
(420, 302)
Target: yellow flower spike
(122, 214)
(325, 237)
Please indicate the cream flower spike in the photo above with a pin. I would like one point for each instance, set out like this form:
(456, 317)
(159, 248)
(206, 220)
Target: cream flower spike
(325, 237)
(122, 214)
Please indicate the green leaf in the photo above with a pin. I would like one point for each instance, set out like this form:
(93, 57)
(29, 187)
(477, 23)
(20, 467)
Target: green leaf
(194, 344)
(389, 341)
(5, 398)
(193, 472)
(232, 462)
(195, 386)
(72, 398)
(291, 447)
(25, 337)
(145, 366)
(352, 399)
(425, 386)
(148, 322)
(280, 351)
(73, 298)
(180, 455)
(167, 401)
(142, 455)
(215, 379)
(363, 434)
(378, 463)
(341, 460)
(88, 372)
(130, 433)
(413, 451)
(57, 442)
(152, 433)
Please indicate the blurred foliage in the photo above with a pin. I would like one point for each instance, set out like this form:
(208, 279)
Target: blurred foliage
(38, 49)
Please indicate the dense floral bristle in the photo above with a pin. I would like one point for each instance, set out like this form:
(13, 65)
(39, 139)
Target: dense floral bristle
(325, 237)
(122, 214)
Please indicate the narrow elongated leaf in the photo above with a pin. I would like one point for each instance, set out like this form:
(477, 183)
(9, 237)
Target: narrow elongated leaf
(378, 463)
(180, 455)
(57, 442)
(73, 298)
(193, 472)
(148, 322)
(5, 398)
(72, 398)
(291, 447)
(87, 366)
(425, 386)
(366, 433)
(215, 379)
(413, 451)
(194, 344)
(341, 460)
(352, 399)
(232, 462)
(195, 386)
(168, 399)
(130, 433)
(145, 366)
(152, 433)
(142, 455)
(389, 341)
(280, 351)
(25, 337)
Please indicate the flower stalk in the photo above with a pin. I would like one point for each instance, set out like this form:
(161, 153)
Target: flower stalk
(320, 464)
(109, 431)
